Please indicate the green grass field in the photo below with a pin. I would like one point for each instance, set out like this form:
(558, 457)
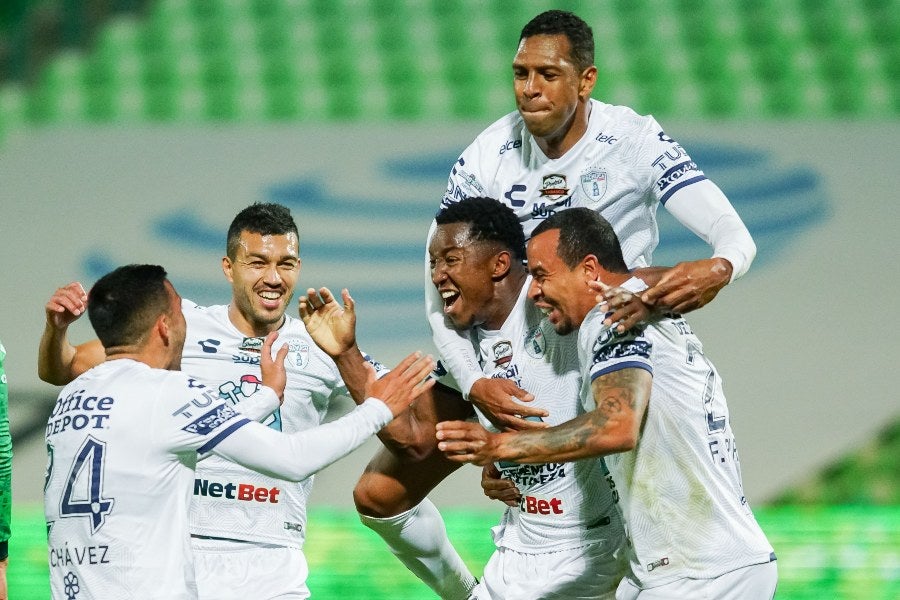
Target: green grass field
(849, 552)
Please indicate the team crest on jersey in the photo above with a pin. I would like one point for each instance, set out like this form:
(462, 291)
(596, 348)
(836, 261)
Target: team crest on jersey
(554, 187)
(502, 353)
(299, 351)
(535, 343)
(593, 183)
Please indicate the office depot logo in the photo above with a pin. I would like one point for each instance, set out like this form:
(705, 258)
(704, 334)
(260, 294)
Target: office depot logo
(541, 506)
(245, 492)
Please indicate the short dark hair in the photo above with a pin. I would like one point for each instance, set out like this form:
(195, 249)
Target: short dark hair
(264, 218)
(489, 220)
(582, 232)
(125, 303)
(556, 22)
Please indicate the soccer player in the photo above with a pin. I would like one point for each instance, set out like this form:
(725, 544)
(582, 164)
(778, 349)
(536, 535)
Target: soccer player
(124, 436)
(245, 546)
(565, 538)
(658, 414)
(560, 149)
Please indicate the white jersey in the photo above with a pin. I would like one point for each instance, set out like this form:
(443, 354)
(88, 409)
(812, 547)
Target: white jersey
(122, 441)
(231, 501)
(564, 505)
(680, 489)
(623, 167)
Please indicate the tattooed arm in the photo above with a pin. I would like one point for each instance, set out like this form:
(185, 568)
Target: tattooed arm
(613, 426)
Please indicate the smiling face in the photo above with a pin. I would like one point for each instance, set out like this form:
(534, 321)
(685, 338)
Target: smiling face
(551, 90)
(262, 273)
(464, 272)
(560, 292)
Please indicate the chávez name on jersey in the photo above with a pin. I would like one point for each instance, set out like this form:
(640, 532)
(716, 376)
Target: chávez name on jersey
(529, 475)
(246, 492)
(77, 411)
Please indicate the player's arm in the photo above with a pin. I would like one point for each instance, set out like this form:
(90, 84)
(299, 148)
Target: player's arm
(299, 455)
(59, 362)
(704, 209)
(613, 426)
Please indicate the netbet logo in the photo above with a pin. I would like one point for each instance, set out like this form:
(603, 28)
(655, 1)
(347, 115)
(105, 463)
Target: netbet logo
(541, 506)
(246, 492)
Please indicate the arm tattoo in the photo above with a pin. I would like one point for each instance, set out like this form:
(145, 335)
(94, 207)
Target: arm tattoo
(617, 396)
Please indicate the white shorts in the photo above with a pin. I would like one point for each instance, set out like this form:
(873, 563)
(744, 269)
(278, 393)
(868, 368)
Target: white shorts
(589, 572)
(756, 582)
(233, 570)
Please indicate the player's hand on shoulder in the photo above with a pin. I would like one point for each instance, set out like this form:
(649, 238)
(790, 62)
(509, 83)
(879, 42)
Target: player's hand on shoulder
(272, 368)
(689, 285)
(402, 384)
(66, 305)
(331, 325)
(624, 309)
(498, 488)
(501, 402)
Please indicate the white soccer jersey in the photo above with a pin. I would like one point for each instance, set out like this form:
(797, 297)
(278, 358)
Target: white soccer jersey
(622, 167)
(231, 501)
(680, 489)
(122, 441)
(564, 505)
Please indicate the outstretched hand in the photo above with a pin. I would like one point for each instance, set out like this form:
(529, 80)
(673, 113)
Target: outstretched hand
(66, 305)
(496, 398)
(624, 309)
(403, 384)
(462, 441)
(273, 373)
(689, 285)
(498, 488)
(331, 326)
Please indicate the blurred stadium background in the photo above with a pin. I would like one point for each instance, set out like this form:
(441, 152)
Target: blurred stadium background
(353, 65)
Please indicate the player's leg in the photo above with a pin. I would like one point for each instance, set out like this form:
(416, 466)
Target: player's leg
(391, 497)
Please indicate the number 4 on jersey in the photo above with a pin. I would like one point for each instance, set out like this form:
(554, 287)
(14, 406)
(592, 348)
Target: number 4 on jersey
(83, 496)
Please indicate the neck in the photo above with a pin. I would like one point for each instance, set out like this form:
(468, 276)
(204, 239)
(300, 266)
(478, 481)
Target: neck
(249, 328)
(156, 360)
(505, 297)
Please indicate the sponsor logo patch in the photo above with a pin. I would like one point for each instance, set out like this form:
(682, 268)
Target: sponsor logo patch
(252, 344)
(554, 187)
(502, 353)
(209, 422)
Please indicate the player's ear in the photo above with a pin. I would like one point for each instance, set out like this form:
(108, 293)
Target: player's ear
(587, 82)
(502, 263)
(226, 268)
(591, 268)
(163, 328)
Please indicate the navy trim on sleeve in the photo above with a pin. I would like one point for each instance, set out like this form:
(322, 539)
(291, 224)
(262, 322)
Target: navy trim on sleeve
(630, 364)
(222, 435)
(680, 185)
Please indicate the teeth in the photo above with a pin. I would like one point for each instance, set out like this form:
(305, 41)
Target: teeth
(546, 310)
(270, 295)
(447, 294)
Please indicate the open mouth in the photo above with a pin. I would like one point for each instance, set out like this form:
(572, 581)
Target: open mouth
(270, 299)
(449, 297)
